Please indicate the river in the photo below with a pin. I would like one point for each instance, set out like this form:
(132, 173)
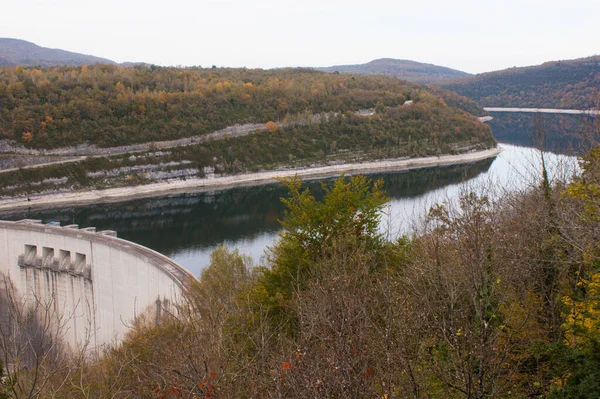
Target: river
(188, 227)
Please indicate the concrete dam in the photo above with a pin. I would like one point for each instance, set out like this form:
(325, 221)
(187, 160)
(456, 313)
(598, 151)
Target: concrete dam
(95, 283)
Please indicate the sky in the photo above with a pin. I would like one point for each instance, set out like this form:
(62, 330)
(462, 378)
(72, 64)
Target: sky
(472, 36)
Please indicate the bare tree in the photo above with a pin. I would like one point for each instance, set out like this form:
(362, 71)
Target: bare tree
(32, 343)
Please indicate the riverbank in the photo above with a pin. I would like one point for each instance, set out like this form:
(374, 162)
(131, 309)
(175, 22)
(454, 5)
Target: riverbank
(250, 179)
(591, 112)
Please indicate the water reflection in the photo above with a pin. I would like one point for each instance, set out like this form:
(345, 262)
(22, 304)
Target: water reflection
(562, 133)
(188, 227)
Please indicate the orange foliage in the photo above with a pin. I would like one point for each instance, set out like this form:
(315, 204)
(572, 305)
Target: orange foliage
(272, 126)
(27, 137)
(286, 366)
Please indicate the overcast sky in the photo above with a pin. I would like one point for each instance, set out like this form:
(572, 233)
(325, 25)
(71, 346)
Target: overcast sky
(469, 35)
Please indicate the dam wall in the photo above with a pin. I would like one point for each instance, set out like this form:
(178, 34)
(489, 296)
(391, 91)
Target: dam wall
(94, 283)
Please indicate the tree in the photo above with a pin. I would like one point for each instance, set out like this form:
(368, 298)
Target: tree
(579, 364)
(37, 362)
(272, 127)
(27, 137)
(350, 211)
(195, 352)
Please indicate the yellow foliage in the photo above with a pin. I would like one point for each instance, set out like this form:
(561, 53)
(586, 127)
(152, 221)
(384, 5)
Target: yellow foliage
(120, 88)
(36, 74)
(583, 320)
(222, 85)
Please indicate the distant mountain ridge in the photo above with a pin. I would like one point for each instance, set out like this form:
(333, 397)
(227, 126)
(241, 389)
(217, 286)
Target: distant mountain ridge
(567, 84)
(15, 52)
(404, 69)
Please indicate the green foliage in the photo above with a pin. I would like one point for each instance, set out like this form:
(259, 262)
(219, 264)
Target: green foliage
(579, 365)
(463, 309)
(422, 129)
(221, 282)
(352, 205)
(111, 105)
(350, 211)
(584, 373)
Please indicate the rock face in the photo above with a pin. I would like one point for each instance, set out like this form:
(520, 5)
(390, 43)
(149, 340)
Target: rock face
(94, 283)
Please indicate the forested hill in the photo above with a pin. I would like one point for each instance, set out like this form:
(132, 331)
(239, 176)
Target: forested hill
(111, 105)
(404, 69)
(15, 52)
(571, 84)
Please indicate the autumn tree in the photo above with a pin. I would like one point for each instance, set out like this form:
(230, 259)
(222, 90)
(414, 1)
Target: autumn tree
(27, 137)
(36, 360)
(351, 209)
(272, 127)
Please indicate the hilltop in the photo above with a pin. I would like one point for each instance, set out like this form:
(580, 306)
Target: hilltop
(15, 52)
(570, 84)
(404, 69)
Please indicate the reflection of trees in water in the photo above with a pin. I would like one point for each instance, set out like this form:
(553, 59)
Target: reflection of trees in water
(204, 219)
(563, 133)
(416, 183)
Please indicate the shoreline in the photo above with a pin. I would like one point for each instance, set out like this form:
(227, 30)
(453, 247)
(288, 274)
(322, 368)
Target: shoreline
(592, 112)
(121, 194)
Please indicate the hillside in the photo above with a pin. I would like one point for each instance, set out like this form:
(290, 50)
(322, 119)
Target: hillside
(294, 118)
(15, 52)
(570, 84)
(404, 69)
(485, 299)
(112, 106)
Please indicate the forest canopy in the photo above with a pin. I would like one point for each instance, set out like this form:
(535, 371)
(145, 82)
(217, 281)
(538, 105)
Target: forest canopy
(111, 105)
(570, 84)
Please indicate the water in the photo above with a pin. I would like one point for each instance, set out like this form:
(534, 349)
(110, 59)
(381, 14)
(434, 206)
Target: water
(564, 134)
(188, 227)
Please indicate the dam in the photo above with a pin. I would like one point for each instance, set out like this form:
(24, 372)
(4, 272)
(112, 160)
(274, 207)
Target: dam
(94, 283)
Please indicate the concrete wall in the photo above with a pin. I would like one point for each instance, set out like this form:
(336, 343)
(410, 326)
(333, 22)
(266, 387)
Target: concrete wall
(97, 283)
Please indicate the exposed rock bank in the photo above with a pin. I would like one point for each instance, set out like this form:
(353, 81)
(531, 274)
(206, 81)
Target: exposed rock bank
(250, 179)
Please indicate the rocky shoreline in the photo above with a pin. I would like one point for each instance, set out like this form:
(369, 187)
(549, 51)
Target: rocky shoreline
(249, 179)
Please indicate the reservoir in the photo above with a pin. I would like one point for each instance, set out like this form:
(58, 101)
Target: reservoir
(188, 227)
